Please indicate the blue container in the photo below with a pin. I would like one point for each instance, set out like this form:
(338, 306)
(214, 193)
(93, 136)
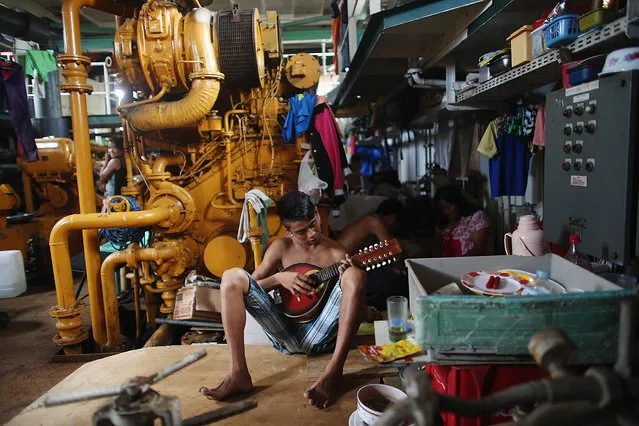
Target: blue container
(562, 30)
(582, 74)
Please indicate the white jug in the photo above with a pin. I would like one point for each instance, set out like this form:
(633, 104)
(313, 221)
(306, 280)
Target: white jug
(13, 281)
(527, 239)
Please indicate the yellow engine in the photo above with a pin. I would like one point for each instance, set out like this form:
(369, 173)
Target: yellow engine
(205, 130)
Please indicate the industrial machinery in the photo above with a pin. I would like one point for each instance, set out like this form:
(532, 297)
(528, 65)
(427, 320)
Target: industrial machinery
(590, 174)
(138, 404)
(202, 128)
(49, 192)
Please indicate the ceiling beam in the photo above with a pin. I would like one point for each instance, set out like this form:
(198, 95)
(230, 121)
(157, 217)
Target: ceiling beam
(33, 8)
(311, 20)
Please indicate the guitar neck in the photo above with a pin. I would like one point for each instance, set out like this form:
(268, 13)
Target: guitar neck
(328, 273)
(371, 257)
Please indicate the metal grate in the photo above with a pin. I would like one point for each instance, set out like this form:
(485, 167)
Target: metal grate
(237, 50)
(542, 70)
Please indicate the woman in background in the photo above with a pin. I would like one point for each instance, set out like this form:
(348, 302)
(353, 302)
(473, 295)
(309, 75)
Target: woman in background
(113, 173)
(463, 229)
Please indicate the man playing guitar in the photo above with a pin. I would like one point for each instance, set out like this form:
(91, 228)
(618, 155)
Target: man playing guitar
(242, 292)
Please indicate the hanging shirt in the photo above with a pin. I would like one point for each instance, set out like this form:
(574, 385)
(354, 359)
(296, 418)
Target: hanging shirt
(13, 93)
(488, 142)
(299, 115)
(41, 61)
(509, 167)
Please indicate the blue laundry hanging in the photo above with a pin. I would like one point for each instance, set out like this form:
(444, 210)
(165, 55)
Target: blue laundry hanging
(299, 115)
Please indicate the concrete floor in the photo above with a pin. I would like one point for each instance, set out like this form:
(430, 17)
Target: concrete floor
(25, 349)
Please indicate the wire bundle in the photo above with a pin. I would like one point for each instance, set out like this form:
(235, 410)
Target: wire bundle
(120, 238)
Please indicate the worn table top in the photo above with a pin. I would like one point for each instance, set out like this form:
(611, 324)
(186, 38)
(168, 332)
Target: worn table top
(279, 380)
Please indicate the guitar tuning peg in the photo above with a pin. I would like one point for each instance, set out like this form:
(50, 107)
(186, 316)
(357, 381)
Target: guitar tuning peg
(370, 247)
(384, 263)
(378, 265)
(386, 243)
(368, 268)
(394, 260)
(376, 246)
(373, 266)
(359, 251)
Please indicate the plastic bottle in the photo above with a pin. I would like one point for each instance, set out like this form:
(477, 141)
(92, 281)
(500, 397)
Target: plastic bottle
(539, 285)
(575, 256)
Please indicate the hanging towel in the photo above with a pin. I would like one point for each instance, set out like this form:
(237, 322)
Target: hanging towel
(539, 137)
(13, 94)
(41, 61)
(299, 115)
(260, 202)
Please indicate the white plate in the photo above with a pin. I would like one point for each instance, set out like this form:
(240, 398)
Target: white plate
(555, 287)
(509, 284)
(354, 419)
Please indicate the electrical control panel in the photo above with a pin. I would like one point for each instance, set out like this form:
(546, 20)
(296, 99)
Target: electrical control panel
(590, 182)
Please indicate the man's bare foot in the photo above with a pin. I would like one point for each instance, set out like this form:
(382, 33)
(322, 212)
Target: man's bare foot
(231, 385)
(322, 393)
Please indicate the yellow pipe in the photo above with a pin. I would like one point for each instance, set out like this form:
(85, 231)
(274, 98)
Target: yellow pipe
(254, 233)
(28, 193)
(71, 19)
(166, 85)
(223, 206)
(229, 175)
(160, 163)
(193, 107)
(61, 260)
(69, 323)
(228, 113)
(107, 272)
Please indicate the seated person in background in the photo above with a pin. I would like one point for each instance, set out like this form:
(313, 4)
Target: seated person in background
(113, 173)
(334, 328)
(384, 282)
(355, 181)
(463, 229)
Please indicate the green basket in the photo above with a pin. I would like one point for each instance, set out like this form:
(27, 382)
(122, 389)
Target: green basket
(595, 18)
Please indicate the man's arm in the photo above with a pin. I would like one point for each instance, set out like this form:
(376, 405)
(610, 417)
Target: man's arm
(377, 227)
(480, 238)
(265, 274)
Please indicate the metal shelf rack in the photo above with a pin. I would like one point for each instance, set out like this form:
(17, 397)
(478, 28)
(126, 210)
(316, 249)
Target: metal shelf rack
(545, 69)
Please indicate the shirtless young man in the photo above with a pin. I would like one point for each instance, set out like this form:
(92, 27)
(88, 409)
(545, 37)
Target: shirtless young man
(303, 243)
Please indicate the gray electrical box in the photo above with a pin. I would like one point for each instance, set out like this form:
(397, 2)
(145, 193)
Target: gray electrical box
(590, 183)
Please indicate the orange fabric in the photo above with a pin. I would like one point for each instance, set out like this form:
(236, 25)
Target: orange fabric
(336, 35)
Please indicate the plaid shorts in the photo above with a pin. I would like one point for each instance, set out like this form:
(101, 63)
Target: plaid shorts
(287, 335)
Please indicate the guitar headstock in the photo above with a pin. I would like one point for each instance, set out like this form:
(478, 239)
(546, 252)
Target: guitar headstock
(378, 255)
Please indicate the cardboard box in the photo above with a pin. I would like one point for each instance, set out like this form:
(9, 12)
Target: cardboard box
(198, 303)
(472, 324)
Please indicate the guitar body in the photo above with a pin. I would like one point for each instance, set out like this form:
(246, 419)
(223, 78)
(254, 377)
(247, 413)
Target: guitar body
(305, 307)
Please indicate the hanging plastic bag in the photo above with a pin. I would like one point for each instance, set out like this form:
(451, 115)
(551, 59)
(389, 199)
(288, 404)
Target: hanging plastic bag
(307, 180)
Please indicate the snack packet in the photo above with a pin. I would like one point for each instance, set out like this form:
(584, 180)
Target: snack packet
(390, 352)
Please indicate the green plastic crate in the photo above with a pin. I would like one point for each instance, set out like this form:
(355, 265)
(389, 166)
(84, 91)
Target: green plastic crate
(480, 325)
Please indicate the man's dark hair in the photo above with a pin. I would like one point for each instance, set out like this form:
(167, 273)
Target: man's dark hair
(118, 141)
(295, 206)
(390, 206)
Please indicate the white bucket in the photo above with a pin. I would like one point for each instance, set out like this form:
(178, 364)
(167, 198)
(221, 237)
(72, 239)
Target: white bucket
(13, 281)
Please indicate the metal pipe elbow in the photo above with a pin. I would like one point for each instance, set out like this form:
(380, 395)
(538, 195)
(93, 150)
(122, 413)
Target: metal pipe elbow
(205, 75)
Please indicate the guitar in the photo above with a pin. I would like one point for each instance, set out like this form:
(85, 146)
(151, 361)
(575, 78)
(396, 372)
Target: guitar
(306, 307)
